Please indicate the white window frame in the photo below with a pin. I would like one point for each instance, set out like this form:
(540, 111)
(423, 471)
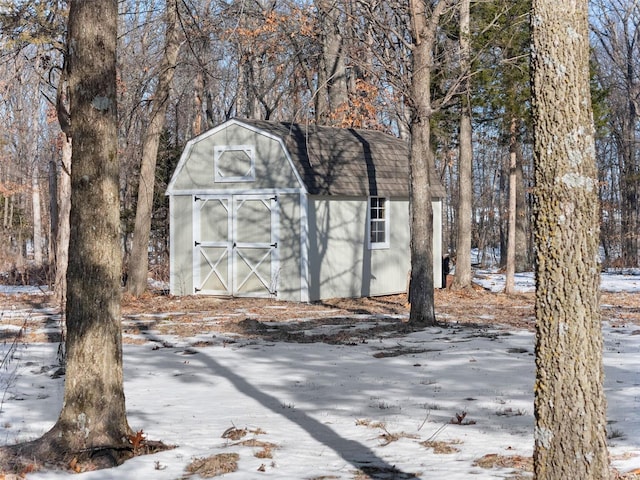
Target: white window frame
(384, 221)
(248, 150)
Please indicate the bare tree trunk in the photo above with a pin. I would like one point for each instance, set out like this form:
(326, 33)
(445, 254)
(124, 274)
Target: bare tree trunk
(522, 248)
(52, 173)
(465, 177)
(421, 285)
(509, 285)
(421, 294)
(569, 405)
(139, 260)
(37, 216)
(92, 425)
(629, 194)
(321, 102)
(63, 227)
(5, 216)
(93, 415)
(198, 94)
(333, 53)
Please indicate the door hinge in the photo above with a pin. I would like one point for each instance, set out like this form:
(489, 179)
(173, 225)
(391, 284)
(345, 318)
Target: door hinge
(196, 243)
(274, 245)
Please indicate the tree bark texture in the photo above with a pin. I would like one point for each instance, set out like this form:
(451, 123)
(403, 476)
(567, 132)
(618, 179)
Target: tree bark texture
(570, 408)
(93, 413)
(421, 284)
(139, 260)
(333, 53)
(421, 294)
(465, 176)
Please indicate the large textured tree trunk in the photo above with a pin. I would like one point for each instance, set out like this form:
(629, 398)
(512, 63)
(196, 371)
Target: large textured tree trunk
(139, 261)
(570, 410)
(465, 177)
(93, 414)
(421, 284)
(421, 163)
(92, 424)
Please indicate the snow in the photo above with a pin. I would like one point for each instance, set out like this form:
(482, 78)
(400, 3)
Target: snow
(333, 410)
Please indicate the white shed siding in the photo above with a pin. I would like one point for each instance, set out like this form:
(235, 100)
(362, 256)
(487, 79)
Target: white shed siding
(289, 277)
(341, 263)
(181, 233)
(390, 267)
(336, 234)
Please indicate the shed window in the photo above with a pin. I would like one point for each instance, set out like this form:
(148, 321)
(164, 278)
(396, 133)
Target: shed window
(234, 163)
(378, 223)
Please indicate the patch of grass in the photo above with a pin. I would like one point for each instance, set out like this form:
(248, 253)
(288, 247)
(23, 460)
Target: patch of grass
(266, 448)
(213, 466)
(365, 422)
(388, 437)
(442, 447)
(264, 453)
(493, 460)
(233, 433)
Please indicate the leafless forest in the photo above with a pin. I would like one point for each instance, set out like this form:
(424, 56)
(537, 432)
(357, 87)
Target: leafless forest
(184, 67)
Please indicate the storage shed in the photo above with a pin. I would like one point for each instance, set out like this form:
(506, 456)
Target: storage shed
(294, 212)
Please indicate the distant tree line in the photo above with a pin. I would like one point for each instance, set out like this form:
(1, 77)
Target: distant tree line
(339, 63)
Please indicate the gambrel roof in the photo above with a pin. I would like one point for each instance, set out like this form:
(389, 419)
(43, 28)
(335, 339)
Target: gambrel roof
(346, 161)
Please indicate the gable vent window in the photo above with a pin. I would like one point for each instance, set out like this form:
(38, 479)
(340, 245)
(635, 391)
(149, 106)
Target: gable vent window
(378, 223)
(234, 163)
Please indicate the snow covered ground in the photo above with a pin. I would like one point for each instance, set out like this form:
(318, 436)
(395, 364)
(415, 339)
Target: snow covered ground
(429, 405)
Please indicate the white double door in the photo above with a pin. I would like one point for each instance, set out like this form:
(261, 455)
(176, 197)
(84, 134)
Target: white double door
(235, 245)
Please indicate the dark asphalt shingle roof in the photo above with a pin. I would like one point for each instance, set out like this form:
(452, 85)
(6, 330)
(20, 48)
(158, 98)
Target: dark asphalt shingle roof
(346, 161)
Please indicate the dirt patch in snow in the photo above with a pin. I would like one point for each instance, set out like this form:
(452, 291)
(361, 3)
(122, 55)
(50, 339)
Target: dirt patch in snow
(345, 321)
